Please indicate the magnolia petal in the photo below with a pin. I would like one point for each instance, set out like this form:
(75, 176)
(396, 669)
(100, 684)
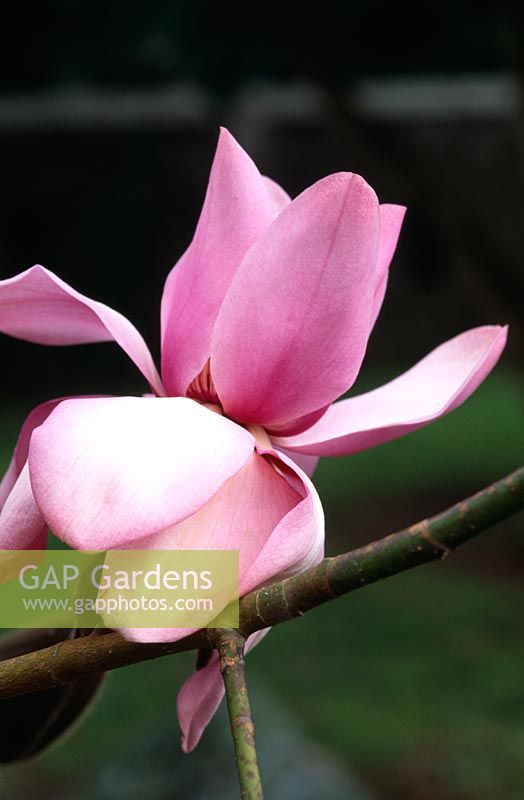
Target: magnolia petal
(269, 511)
(241, 516)
(21, 450)
(292, 330)
(38, 306)
(297, 542)
(294, 544)
(201, 695)
(391, 219)
(8, 481)
(279, 196)
(433, 387)
(307, 464)
(22, 526)
(239, 205)
(295, 426)
(107, 471)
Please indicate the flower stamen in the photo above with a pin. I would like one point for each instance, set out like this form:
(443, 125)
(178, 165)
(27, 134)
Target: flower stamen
(262, 439)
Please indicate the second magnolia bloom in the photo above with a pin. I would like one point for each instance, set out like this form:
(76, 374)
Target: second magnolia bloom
(265, 320)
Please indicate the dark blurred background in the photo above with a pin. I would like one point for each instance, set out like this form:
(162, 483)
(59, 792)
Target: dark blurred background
(109, 113)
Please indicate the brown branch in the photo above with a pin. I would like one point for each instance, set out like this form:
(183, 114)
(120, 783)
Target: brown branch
(426, 541)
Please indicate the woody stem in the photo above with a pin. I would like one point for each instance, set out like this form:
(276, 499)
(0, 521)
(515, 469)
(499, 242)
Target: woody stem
(426, 541)
(230, 645)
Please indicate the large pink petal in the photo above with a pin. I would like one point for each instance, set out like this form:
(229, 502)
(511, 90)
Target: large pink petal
(238, 207)
(292, 330)
(433, 387)
(21, 450)
(200, 697)
(40, 307)
(269, 511)
(22, 526)
(107, 471)
(391, 219)
(279, 196)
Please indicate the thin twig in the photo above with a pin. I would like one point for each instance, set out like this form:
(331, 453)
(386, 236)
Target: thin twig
(230, 645)
(426, 541)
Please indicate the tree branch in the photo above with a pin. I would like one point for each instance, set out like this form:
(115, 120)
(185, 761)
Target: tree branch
(230, 646)
(426, 541)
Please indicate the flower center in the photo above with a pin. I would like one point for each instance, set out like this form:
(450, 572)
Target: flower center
(202, 388)
(261, 438)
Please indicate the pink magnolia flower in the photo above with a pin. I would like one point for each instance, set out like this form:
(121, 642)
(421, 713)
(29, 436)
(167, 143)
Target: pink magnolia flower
(265, 321)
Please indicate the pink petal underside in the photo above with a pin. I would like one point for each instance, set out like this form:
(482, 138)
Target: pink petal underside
(107, 471)
(269, 511)
(292, 330)
(391, 219)
(32, 421)
(295, 426)
(297, 542)
(39, 307)
(200, 697)
(307, 464)
(433, 387)
(22, 526)
(238, 207)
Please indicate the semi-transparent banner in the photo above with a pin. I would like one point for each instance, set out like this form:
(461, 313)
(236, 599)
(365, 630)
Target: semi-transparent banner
(119, 589)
